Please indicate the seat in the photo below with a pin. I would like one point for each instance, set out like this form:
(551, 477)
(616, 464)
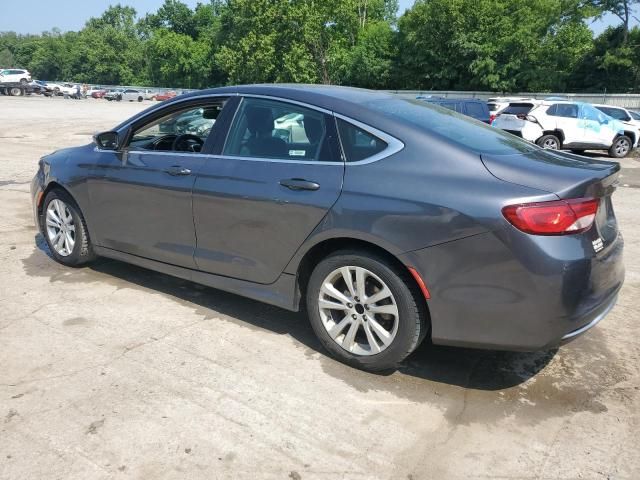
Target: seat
(261, 143)
(314, 130)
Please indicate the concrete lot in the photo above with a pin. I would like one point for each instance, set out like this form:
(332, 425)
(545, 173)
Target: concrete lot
(113, 371)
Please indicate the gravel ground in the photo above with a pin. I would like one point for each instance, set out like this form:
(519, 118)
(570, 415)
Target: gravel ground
(113, 371)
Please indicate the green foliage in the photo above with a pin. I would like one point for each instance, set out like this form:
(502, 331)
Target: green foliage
(499, 45)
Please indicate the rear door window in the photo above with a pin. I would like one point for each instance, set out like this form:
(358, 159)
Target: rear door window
(566, 110)
(278, 130)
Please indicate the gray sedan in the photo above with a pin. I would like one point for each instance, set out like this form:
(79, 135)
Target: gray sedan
(389, 220)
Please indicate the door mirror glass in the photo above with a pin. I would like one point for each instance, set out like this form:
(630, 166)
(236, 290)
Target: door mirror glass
(107, 140)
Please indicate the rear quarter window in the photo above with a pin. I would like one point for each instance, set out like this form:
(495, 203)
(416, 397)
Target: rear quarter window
(453, 127)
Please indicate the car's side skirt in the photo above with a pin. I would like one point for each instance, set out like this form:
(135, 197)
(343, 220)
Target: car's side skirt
(282, 293)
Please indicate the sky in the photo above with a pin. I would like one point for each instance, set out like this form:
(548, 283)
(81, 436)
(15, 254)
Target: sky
(72, 14)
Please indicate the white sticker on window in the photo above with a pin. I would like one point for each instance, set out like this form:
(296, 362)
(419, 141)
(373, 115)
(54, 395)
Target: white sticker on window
(297, 153)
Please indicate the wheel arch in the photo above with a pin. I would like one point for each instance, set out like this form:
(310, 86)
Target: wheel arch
(631, 134)
(557, 132)
(53, 185)
(326, 247)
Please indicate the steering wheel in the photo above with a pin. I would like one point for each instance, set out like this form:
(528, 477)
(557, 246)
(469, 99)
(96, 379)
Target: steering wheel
(187, 142)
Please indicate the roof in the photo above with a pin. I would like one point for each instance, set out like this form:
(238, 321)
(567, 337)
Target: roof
(331, 97)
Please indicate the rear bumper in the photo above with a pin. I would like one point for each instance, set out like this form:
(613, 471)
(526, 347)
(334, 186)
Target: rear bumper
(510, 291)
(598, 315)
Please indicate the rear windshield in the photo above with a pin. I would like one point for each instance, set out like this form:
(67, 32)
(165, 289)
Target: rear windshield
(455, 127)
(493, 107)
(518, 108)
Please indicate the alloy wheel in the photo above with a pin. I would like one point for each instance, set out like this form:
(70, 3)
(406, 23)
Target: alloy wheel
(550, 143)
(358, 310)
(61, 229)
(622, 147)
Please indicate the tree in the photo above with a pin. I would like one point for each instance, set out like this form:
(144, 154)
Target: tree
(623, 9)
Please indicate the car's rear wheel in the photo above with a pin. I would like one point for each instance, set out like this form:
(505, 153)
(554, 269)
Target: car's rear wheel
(65, 230)
(15, 91)
(140, 99)
(365, 310)
(550, 142)
(621, 147)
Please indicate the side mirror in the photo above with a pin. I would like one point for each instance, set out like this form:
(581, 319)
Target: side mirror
(106, 140)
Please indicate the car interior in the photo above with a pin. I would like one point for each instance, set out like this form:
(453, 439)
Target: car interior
(179, 131)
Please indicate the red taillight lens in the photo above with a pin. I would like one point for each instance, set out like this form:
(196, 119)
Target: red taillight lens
(561, 217)
(492, 117)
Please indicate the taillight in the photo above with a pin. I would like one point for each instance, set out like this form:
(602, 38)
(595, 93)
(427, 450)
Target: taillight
(492, 117)
(559, 217)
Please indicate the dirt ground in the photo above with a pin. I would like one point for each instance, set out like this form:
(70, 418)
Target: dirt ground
(114, 371)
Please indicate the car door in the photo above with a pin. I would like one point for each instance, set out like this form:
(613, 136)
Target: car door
(598, 127)
(567, 120)
(274, 180)
(141, 194)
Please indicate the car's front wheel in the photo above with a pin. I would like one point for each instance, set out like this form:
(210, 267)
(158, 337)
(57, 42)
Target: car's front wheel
(65, 230)
(550, 142)
(365, 310)
(621, 147)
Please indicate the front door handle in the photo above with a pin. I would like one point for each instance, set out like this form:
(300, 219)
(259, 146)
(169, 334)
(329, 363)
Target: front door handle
(299, 184)
(177, 170)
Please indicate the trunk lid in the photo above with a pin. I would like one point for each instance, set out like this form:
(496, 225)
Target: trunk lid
(567, 176)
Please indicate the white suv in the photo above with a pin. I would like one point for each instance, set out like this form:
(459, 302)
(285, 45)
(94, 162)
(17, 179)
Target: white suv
(15, 75)
(567, 125)
(629, 119)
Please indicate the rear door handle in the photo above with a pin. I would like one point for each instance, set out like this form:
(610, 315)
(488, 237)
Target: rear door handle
(299, 184)
(177, 170)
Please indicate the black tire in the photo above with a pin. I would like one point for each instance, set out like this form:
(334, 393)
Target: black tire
(140, 99)
(412, 319)
(621, 147)
(82, 252)
(119, 98)
(546, 141)
(23, 82)
(15, 91)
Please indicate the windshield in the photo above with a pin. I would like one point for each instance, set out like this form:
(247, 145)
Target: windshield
(457, 128)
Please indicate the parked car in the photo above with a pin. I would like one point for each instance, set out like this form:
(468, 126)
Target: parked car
(133, 95)
(113, 95)
(98, 93)
(95, 89)
(161, 97)
(567, 125)
(498, 104)
(394, 221)
(61, 88)
(631, 124)
(471, 107)
(15, 75)
(37, 86)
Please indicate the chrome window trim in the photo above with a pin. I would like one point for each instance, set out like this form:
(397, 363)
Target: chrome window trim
(393, 144)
